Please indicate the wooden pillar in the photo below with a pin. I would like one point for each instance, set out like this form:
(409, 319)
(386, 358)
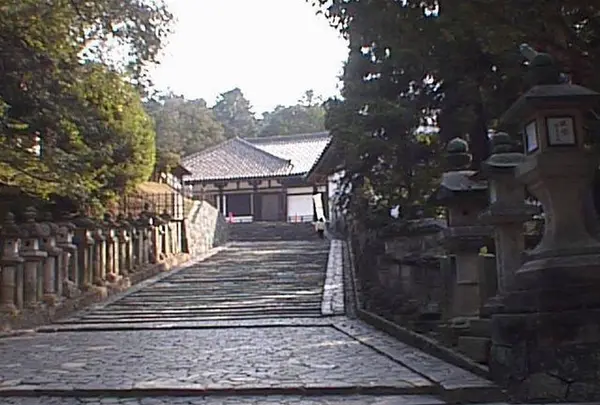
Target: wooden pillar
(283, 203)
(222, 198)
(255, 206)
(326, 200)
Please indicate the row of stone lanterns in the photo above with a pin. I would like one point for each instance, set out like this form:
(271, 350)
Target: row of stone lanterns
(44, 261)
(544, 318)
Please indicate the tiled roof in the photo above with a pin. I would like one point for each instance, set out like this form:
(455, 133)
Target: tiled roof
(234, 159)
(258, 157)
(302, 150)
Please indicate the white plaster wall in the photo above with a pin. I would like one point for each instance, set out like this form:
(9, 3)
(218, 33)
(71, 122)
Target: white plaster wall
(300, 205)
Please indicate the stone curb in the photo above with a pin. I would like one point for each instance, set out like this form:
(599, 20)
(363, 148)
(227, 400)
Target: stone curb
(190, 391)
(332, 302)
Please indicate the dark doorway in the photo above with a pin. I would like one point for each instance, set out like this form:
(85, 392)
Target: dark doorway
(239, 204)
(269, 207)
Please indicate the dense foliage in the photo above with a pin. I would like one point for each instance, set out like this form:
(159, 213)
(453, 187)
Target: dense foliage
(455, 65)
(234, 112)
(305, 117)
(72, 120)
(184, 126)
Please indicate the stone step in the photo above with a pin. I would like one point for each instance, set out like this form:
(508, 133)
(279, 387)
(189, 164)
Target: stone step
(112, 311)
(275, 282)
(197, 308)
(277, 231)
(163, 319)
(212, 298)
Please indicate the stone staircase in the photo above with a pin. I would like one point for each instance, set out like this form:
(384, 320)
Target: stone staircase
(245, 281)
(266, 231)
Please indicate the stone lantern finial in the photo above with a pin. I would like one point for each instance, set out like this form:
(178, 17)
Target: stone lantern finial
(9, 227)
(457, 154)
(30, 215)
(502, 143)
(543, 68)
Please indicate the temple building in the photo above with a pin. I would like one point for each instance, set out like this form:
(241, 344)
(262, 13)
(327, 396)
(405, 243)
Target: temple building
(262, 179)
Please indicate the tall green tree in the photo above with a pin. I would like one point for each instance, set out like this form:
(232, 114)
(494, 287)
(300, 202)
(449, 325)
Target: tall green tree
(184, 126)
(452, 64)
(234, 112)
(83, 110)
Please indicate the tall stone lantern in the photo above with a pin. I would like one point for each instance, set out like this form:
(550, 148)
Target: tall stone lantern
(464, 197)
(507, 210)
(546, 344)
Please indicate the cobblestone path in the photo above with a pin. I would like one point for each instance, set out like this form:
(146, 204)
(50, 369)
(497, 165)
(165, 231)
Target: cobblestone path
(249, 325)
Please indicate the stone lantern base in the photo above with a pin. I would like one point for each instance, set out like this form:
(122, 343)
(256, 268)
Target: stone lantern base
(546, 343)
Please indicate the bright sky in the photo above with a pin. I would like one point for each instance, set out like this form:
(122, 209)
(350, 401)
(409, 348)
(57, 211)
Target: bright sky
(273, 50)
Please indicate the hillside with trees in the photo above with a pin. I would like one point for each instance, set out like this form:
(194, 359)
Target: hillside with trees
(186, 126)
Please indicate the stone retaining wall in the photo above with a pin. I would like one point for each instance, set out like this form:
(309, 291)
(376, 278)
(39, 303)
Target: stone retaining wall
(204, 229)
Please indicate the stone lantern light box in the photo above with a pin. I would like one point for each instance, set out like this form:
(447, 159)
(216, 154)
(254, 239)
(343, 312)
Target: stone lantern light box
(551, 117)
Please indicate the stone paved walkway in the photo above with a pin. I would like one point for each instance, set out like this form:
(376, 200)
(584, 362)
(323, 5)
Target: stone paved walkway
(250, 325)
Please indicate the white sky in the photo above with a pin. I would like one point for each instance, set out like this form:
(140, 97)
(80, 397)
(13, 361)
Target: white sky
(273, 50)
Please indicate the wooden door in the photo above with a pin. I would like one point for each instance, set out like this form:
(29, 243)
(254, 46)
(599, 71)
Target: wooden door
(269, 207)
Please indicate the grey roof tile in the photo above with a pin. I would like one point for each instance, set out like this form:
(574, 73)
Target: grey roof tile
(258, 157)
(303, 150)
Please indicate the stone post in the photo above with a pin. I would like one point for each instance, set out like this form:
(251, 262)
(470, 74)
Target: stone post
(33, 257)
(99, 269)
(507, 211)
(85, 250)
(179, 232)
(136, 243)
(124, 245)
(51, 278)
(112, 249)
(11, 293)
(146, 243)
(156, 240)
(70, 264)
(168, 234)
(546, 342)
(146, 226)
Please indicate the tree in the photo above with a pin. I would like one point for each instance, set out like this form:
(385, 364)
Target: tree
(296, 119)
(184, 126)
(453, 64)
(234, 112)
(80, 109)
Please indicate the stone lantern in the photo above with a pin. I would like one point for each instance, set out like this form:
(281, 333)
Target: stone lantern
(144, 225)
(84, 240)
(158, 232)
(111, 237)
(11, 261)
(167, 240)
(507, 210)
(33, 255)
(99, 261)
(51, 277)
(546, 344)
(125, 245)
(69, 262)
(464, 197)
